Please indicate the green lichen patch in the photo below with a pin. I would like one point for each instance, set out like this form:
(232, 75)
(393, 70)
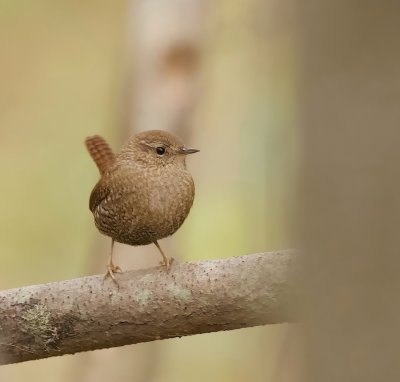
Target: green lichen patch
(142, 297)
(37, 322)
(179, 292)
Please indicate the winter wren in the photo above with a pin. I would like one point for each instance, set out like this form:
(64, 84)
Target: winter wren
(145, 192)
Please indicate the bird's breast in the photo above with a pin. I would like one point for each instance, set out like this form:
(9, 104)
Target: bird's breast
(170, 197)
(144, 206)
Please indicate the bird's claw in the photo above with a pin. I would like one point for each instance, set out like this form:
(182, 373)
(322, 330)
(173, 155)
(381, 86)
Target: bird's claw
(111, 269)
(167, 262)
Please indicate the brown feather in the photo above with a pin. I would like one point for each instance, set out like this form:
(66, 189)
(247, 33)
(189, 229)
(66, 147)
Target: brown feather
(101, 152)
(143, 196)
(99, 193)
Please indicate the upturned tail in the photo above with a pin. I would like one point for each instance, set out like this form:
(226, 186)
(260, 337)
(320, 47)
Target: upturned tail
(101, 152)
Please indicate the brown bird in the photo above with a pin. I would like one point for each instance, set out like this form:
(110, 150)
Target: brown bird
(145, 192)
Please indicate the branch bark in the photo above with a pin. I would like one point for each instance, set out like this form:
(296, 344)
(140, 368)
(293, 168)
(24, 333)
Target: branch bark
(84, 314)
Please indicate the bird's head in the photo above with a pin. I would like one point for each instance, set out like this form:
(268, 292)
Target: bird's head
(156, 148)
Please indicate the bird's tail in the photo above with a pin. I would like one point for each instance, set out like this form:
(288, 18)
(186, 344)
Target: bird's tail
(101, 152)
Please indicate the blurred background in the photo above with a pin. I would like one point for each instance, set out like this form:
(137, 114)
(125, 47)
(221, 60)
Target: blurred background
(220, 74)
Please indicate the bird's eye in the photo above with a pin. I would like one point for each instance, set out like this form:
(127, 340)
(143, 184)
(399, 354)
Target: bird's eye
(160, 150)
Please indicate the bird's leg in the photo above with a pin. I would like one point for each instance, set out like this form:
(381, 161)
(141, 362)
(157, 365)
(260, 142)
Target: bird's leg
(111, 268)
(166, 261)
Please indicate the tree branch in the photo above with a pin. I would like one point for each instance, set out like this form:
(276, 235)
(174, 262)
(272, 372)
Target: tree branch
(71, 316)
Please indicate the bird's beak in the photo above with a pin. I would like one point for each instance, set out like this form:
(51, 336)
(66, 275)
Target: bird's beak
(187, 150)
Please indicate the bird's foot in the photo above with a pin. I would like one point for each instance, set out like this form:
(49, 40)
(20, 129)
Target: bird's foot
(111, 270)
(167, 262)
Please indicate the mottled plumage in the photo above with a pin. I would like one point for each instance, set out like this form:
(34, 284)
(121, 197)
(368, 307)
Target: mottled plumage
(145, 192)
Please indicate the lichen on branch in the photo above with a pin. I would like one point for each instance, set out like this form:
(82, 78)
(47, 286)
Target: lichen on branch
(91, 313)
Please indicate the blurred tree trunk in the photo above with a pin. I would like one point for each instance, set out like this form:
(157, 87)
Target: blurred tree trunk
(160, 92)
(165, 43)
(350, 135)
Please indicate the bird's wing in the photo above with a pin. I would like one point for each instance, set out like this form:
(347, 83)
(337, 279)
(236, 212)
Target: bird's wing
(99, 193)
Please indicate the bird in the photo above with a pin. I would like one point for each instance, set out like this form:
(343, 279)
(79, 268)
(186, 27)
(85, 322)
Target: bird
(144, 193)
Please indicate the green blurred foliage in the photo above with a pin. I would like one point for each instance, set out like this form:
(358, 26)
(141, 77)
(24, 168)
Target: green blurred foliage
(59, 76)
